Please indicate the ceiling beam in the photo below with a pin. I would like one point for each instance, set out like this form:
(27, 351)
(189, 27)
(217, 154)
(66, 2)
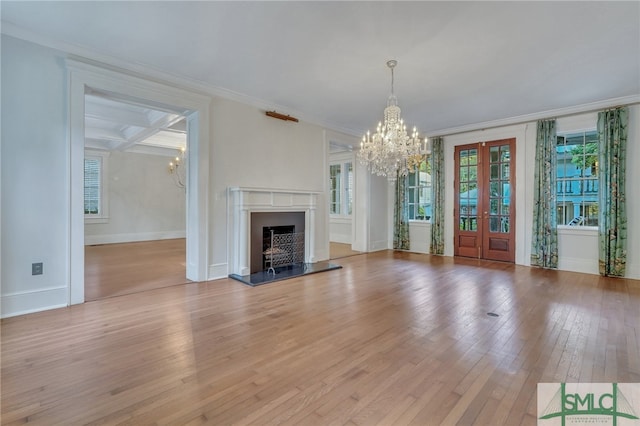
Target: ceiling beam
(158, 121)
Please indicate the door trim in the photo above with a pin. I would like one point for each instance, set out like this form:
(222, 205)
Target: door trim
(82, 76)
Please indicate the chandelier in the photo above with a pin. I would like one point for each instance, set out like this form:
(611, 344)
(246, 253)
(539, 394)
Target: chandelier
(177, 169)
(390, 151)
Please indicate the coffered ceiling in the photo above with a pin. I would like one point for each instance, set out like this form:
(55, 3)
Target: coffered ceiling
(460, 64)
(111, 124)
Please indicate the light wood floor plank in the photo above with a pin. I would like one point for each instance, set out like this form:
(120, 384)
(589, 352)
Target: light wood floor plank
(392, 338)
(118, 269)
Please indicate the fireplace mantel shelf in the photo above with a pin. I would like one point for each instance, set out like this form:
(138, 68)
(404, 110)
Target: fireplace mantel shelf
(268, 190)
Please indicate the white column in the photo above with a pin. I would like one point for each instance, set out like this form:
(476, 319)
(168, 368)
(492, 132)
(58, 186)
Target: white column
(312, 232)
(244, 242)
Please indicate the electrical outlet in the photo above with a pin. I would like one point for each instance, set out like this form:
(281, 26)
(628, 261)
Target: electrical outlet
(36, 268)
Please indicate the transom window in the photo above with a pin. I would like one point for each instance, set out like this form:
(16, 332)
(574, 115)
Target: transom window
(419, 191)
(577, 178)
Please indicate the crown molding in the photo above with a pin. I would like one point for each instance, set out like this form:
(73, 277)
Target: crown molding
(81, 54)
(77, 53)
(554, 113)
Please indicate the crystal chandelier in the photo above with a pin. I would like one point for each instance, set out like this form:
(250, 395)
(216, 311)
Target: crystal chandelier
(177, 169)
(390, 150)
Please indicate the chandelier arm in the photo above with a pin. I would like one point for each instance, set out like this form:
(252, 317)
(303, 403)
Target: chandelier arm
(178, 174)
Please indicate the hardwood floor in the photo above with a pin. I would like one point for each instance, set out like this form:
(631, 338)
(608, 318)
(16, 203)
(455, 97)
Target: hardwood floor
(117, 269)
(340, 250)
(391, 338)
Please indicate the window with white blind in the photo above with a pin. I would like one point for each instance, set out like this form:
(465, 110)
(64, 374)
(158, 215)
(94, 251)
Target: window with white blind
(95, 187)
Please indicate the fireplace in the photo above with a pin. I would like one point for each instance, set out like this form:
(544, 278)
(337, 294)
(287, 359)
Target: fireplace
(252, 209)
(281, 223)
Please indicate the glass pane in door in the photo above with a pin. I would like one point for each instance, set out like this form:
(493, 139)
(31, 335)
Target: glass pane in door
(468, 196)
(499, 189)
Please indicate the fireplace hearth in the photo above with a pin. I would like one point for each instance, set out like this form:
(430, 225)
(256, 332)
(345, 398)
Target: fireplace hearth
(265, 277)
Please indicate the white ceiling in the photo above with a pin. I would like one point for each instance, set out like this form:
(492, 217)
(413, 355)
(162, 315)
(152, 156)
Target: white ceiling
(459, 63)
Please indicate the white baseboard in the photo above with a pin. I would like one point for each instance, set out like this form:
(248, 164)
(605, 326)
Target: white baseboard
(90, 240)
(28, 302)
(633, 272)
(379, 245)
(218, 271)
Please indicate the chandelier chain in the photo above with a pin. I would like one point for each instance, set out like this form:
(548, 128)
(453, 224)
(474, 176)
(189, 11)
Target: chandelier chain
(392, 93)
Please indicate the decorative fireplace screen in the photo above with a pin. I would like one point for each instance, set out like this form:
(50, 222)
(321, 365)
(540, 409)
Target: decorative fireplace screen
(284, 250)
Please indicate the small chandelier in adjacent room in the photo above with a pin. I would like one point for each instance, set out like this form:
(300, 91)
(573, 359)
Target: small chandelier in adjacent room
(177, 169)
(390, 150)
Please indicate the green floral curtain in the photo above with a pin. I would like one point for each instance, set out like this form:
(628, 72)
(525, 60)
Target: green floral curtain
(612, 217)
(544, 239)
(401, 215)
(437, 196)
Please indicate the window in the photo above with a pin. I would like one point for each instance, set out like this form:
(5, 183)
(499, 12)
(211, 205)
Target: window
(92, 185)
(334, 188)
(95, 187)
(341, 188)
(419, 191)
(577, 178)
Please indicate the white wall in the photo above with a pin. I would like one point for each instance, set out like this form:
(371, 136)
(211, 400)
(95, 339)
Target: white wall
(361, 217)
(340, 230)
(35, 173)
(144, 202)
(252, 150)
(379, 217)
(419, 236)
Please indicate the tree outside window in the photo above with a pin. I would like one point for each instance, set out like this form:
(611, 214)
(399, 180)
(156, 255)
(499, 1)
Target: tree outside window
(577, 178)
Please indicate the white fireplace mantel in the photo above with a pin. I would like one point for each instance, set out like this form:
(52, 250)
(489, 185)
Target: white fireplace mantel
(244, 201)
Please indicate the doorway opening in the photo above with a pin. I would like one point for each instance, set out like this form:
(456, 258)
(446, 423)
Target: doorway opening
(86, 78)
(135, 207)
(341, 192)
(484, 200)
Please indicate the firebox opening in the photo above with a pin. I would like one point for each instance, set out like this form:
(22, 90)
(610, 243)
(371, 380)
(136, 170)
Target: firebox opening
(268, 250)
(288, 229)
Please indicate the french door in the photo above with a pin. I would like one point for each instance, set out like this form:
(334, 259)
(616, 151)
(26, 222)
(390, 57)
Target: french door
(484, 200)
